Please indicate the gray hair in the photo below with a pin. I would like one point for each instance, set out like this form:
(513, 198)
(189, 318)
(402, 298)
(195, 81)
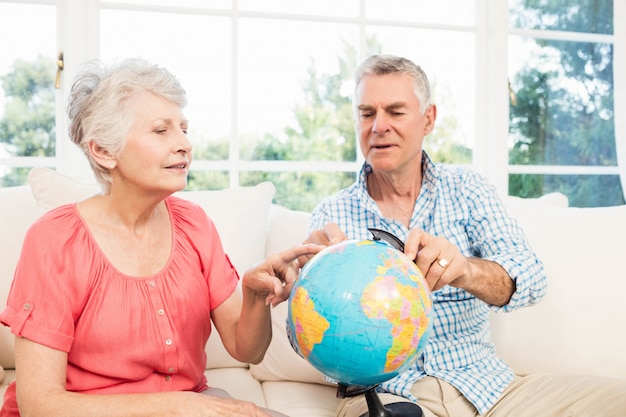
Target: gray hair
(97, 105)
(389, 64)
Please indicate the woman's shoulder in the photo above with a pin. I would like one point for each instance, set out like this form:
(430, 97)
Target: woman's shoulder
(56, 230)
(188, 214)
(63, 217)
(180, 204)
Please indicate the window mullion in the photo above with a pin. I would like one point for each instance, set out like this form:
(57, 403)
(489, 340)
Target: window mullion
(492, 115)
(77, 38)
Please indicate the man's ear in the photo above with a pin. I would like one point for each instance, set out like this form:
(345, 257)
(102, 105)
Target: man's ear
(431, 117)
(102, 156)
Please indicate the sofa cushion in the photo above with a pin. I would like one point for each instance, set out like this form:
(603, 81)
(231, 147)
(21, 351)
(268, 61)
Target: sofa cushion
(238, 383)
(299, 399)
(582, 251)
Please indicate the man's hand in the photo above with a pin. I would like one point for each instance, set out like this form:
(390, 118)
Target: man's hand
(329, 235)
(442, 263)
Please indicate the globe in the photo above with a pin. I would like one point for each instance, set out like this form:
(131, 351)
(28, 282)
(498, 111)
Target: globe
(359, 312)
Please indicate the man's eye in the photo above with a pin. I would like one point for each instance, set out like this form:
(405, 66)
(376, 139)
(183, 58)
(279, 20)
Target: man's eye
(366, 115)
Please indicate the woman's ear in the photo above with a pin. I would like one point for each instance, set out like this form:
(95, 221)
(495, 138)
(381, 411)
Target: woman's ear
(101, 156)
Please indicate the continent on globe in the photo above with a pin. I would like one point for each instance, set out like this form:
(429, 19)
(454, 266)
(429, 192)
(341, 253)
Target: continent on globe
(310, 326)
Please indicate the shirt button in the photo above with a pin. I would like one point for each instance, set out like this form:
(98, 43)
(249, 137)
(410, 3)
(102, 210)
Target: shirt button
(168, 377)
(171, 369)
(161, 312)
(26, 306)
(152, 284)
(168, 341)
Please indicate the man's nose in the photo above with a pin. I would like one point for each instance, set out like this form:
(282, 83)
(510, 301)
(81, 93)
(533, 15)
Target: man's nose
(381, 124)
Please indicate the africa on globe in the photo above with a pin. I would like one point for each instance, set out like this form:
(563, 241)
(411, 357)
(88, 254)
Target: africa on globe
(359, 312)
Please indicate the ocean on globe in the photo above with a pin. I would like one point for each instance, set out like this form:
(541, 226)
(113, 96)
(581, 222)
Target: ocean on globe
(359, 312)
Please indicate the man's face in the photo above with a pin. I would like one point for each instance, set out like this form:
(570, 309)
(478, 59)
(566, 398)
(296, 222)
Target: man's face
(389, 123)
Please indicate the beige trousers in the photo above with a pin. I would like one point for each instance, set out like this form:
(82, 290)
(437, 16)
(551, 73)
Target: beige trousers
(529, 396)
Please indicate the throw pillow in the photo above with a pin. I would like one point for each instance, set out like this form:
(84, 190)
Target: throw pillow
(52, 189)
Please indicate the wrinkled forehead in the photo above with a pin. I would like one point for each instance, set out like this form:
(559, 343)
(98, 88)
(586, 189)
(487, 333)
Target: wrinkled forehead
(388, 88)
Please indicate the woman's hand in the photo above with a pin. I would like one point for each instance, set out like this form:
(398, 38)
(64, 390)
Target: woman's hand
(274, 277)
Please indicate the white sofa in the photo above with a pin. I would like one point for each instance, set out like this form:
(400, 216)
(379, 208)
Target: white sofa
(578, 328)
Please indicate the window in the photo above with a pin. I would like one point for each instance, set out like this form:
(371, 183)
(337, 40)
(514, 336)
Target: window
(269, 86)
(562, 128)
(27, 78)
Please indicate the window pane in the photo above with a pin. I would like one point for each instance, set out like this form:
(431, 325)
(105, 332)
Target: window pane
(581, 190)
(348, 8)
(207, 180)
(562, 103)
(293, 100)
(594, 16)
(448, 12)
(27, 94)
(300, 190)
(452, 77)
(197, 49)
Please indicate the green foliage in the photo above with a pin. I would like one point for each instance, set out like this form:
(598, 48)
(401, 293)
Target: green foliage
(324, 131)
(300, 190)
(27, 127)
(582, 190)
(592, 16)
(207, 180)
(445, 143)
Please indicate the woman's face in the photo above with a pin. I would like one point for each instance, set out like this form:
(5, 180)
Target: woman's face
(157, 153)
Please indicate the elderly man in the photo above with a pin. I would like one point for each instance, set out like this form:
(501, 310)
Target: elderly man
(474, 257)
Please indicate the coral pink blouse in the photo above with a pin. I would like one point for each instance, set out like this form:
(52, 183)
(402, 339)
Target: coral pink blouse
(122, 334)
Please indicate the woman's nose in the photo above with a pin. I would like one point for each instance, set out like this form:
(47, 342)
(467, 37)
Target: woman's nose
(183, 143)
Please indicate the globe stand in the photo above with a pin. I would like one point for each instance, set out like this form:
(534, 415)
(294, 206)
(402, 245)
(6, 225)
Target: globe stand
(375, 406)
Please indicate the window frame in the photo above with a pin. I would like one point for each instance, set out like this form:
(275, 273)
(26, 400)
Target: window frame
(490, 151)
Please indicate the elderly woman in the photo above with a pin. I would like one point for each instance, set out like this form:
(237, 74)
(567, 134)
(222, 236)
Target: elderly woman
(113, 296)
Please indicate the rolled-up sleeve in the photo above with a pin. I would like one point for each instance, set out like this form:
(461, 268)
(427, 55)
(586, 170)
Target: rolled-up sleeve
(499, 238)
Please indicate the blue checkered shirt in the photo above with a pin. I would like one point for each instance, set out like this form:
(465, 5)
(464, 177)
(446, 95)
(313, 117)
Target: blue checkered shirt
(461, 206)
